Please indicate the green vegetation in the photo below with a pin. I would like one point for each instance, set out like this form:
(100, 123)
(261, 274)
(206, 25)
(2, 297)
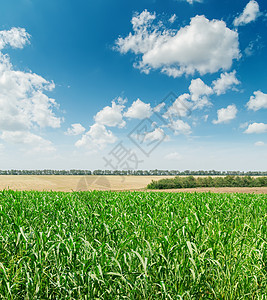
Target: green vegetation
(133, 172)
(193, 182)
(132, 245)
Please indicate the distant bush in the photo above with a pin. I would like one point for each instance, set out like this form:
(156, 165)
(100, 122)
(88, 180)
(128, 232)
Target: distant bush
(192, 182)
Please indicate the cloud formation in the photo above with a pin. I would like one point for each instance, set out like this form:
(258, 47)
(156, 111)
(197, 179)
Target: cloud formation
(139, 110)
(156, 135)
(203, 46)
(249, 14)
(256, 128)
(192, 1)
(111, 115)
(225, 115)
(258, 101)
(15, 37)
(259, 144)
(24, 106)
(75, 129)
(34, 142)
(180, 127)
(225, 82)
(96, 138)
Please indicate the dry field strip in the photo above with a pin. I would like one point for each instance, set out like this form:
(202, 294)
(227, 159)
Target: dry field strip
(85, 183)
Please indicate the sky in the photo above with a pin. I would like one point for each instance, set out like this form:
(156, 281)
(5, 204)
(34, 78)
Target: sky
(151, 84)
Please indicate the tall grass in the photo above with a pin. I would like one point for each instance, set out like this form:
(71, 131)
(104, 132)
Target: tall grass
(132, 245)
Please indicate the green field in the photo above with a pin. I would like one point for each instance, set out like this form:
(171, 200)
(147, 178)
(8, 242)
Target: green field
(132, 245)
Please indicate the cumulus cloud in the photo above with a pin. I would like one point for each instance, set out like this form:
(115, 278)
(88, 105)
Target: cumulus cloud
(249, 14)
(199, 93)
(180, 107)
(75, 129)
(225, 115)
(225, 82)
(203, 46)
(256, 128)
(111, 115)
(198, 88)
(259, 144)
(15, 37)
(156, 135)
(33, 141)
(97, 137)
(139, 110)
(258, 101)
(23, 103)
(180, 127)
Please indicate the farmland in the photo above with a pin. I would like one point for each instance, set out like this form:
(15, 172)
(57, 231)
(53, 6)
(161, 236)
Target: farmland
(70, 183)
(132, 245)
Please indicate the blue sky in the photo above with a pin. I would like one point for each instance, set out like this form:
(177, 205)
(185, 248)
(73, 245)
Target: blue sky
(80, 80)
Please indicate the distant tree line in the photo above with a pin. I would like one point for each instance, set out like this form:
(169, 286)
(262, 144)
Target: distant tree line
(133, 172)
(193, 182)
(45, 172)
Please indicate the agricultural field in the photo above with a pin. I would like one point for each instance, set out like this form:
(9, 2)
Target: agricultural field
(132, 245)
(70, 183)
(63, 183)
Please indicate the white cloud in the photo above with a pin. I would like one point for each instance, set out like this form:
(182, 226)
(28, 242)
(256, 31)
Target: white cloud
(111, 115)
(225, 115)
(142, 40)
(225, 82)
(173, 156)
(197, 99)
(159, 107)
(15, 37)
(203, 46)
(156, 135)
(199, 92)
(172, 18)
(23, 102)
(75, 129)
(33, 141)
(191, 1)
(180, 127)
(198, 88)
(256, 128)
(139, 110)
(258, 101)
(249, 14)
(180, 107)
(97, 137)
(259, 144)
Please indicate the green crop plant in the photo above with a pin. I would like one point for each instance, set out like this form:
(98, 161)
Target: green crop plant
(132, 245)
